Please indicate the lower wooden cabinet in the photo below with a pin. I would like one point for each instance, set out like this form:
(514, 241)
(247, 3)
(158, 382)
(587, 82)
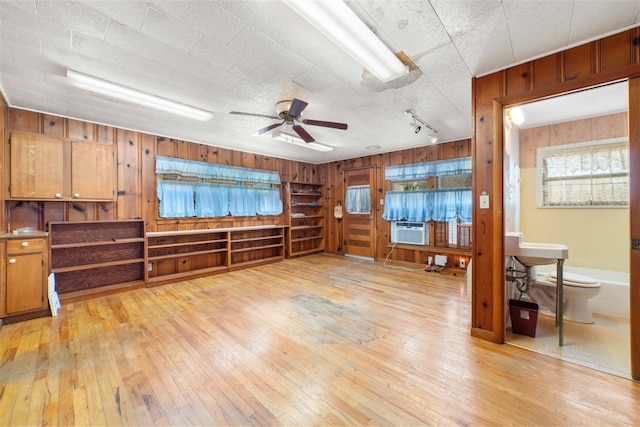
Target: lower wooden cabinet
(23, 282)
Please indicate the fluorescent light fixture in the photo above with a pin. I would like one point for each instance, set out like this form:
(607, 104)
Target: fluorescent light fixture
(293, 139)
(114, 90)
(340, 24)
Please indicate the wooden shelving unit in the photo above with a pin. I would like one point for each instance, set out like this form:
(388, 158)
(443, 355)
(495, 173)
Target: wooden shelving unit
(306, 212)
(94, 257)
(180, 255)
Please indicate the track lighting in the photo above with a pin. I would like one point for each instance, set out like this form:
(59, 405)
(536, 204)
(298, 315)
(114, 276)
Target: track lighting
(417, 124)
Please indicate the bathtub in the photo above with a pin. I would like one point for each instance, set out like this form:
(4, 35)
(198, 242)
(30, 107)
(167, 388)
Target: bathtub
(613, 298)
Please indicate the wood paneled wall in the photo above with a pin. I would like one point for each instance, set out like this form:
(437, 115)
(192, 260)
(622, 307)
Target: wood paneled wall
(335, 191)
(136, 187)
(609, 59)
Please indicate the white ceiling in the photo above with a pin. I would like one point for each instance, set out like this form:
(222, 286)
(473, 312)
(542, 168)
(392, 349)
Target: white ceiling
(592, 102)
(245, 55)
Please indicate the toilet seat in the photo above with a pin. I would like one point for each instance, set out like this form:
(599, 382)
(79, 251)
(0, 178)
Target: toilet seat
(575, 280)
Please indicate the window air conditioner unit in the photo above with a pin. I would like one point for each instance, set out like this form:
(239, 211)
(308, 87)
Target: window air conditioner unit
(413, 233)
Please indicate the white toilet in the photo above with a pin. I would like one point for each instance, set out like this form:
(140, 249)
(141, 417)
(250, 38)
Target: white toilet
(576, 290)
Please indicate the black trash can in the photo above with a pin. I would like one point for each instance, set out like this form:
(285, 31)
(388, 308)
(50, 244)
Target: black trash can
(524, 317)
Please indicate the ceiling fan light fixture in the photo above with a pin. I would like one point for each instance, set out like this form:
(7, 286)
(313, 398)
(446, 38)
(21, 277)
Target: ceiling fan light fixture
(296, 140)
(341, 25)
(113, 90)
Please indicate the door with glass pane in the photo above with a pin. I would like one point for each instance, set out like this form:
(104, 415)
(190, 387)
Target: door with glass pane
(359, 212)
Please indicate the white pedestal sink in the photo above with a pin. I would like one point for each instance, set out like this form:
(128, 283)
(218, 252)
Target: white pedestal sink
(532, 254)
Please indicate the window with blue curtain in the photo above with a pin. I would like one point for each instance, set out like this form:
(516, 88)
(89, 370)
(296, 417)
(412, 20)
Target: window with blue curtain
(211, 200)
(252, 194)
(176, 199)
(358, 199)
(428, 205)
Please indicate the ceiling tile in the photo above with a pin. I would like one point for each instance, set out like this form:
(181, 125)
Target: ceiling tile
(169, 31)
(611, 14)
(547, 23)
(130, 14)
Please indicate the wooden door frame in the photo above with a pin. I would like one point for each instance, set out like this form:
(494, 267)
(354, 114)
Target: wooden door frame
(374, 220)
(633, 115)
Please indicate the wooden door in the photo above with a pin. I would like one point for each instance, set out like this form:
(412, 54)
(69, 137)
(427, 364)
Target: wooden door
(360, 228)
(92, 171)
(37, 165)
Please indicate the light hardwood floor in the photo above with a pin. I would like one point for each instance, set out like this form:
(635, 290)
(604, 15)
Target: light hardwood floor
(320, 340)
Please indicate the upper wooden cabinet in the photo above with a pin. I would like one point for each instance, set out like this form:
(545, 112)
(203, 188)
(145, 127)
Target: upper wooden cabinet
(48, 168)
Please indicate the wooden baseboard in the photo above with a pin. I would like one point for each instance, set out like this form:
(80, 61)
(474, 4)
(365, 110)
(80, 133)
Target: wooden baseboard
(82, 295)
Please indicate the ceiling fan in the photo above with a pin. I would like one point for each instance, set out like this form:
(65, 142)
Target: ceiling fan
(290, 111)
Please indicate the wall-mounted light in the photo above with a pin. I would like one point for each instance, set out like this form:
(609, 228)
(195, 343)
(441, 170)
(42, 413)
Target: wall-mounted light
(515, 115)
(123, 93)
(341, 25)
(295, 140)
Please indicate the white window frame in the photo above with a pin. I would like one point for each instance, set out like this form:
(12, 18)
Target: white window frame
(539, 178)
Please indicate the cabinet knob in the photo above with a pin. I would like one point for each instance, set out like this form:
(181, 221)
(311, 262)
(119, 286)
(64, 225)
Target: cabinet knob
(12, 260)
(58, 195)
(25, 244)
(76, 195)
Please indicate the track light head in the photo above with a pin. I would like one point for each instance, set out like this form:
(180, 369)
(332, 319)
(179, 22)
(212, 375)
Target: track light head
(417, 129)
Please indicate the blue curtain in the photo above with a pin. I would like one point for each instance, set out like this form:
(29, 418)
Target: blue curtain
(212, 200)
(358, 200)
(216, 200)
(269, 202)
(422, 206)
(176, 199)
(242, 201)
(170, 165)
(416, 171)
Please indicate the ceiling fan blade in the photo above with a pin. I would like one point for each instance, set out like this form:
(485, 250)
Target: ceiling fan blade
(267, 129)
(333, 125)
(303, 133)
(296, 107)
(254, 115)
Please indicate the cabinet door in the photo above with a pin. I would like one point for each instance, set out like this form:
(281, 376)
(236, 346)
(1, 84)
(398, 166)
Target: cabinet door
(25, 289)
(36, 166)
(92, 171)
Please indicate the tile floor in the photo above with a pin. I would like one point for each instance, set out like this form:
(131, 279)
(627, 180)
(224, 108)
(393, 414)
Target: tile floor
(603, 345)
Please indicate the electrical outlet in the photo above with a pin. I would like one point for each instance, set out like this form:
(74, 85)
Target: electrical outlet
(430, 260)
(462, 264)
(150, 266)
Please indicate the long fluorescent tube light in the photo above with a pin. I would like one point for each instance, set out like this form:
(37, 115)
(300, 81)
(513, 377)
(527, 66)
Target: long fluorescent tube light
(114, 90)
(338, 22)
(292, 139)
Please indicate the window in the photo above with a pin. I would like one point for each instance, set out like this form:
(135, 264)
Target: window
(594, 174)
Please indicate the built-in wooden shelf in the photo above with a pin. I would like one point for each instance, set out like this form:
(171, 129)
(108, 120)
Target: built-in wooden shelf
(97, 257)
(185, 254)
(306, 213)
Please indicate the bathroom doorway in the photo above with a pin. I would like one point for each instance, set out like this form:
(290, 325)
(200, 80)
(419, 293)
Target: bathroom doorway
(597, 237)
